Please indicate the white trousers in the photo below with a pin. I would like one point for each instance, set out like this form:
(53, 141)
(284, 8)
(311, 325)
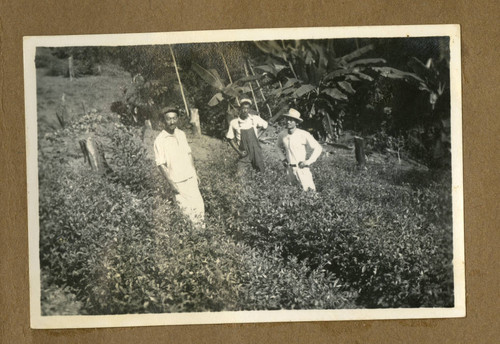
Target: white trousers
(190, 200)
(301, 176)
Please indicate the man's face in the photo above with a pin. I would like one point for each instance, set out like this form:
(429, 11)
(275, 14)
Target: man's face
(170, 121)
(244, 111)
(290, 123)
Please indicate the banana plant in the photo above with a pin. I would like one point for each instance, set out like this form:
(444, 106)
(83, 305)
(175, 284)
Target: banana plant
(308, 75)
(225, 92)
(312, 70)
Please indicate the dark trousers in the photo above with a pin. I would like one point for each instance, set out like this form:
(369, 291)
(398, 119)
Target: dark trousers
(250, 144)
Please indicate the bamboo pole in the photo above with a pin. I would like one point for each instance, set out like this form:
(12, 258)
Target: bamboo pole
(228, 74)
(180, 83)
(260, 89)
(251, 88)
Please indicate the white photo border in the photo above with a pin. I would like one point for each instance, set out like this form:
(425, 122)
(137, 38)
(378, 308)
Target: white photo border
(85, 321)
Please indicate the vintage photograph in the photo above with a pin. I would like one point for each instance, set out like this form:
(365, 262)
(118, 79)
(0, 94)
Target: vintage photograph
(303, 174)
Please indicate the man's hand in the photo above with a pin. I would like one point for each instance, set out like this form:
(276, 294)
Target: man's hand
(285, 163)
(302, 164)
(174, 188)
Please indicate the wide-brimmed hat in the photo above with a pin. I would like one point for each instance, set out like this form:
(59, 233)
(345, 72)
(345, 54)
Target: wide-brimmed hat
(292, 113)
(245, 101)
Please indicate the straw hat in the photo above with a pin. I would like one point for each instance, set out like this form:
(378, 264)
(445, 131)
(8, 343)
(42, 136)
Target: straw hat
(292, 113)
(245, 101)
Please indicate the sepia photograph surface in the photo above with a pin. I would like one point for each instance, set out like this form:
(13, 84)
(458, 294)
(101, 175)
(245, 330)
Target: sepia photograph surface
(271, 175)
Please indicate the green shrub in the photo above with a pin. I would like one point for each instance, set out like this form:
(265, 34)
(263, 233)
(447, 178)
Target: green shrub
(119, 244)
(392, 246)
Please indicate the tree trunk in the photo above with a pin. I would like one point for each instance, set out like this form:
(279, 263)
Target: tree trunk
(359, 151)
(195, 121)
(147, 131)
(330, 127)
(93, 153)
(71, 68)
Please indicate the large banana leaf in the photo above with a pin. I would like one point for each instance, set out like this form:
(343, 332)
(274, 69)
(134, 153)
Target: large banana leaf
(421, 69)
(231, 91)
(320, 51)
(352, 78)
(394, 73)
(290, 82)
(363, 75)
(270, 47)
(216, 99)
(271, 68)
(347, 87)
(288, 90)
(357, 53)
(334, 93)
(267, 68)
(304, 89)
(248, 78)
(364, 62)
(336, 73)
(210, 77)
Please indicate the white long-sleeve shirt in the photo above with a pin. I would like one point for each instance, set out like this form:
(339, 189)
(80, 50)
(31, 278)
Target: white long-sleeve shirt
(235, 126)
(294, 146)
(173, 151)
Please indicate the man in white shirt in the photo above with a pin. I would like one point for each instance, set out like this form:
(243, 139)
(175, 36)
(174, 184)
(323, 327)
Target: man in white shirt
(175, 162)
(243, 135)
(293, 142)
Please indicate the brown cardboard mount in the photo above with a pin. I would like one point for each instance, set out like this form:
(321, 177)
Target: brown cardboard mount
(479, 34)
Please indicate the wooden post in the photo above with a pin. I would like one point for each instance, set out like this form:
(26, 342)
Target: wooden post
(71, 68)
(195, 121)
(179, 79)
(359, 151)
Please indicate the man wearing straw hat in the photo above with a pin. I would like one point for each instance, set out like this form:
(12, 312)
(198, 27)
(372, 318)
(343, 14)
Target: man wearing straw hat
(293, 142)
(175, 162)
(243, 137)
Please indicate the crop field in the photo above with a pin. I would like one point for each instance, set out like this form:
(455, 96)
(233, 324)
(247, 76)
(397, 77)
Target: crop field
(117, 243)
